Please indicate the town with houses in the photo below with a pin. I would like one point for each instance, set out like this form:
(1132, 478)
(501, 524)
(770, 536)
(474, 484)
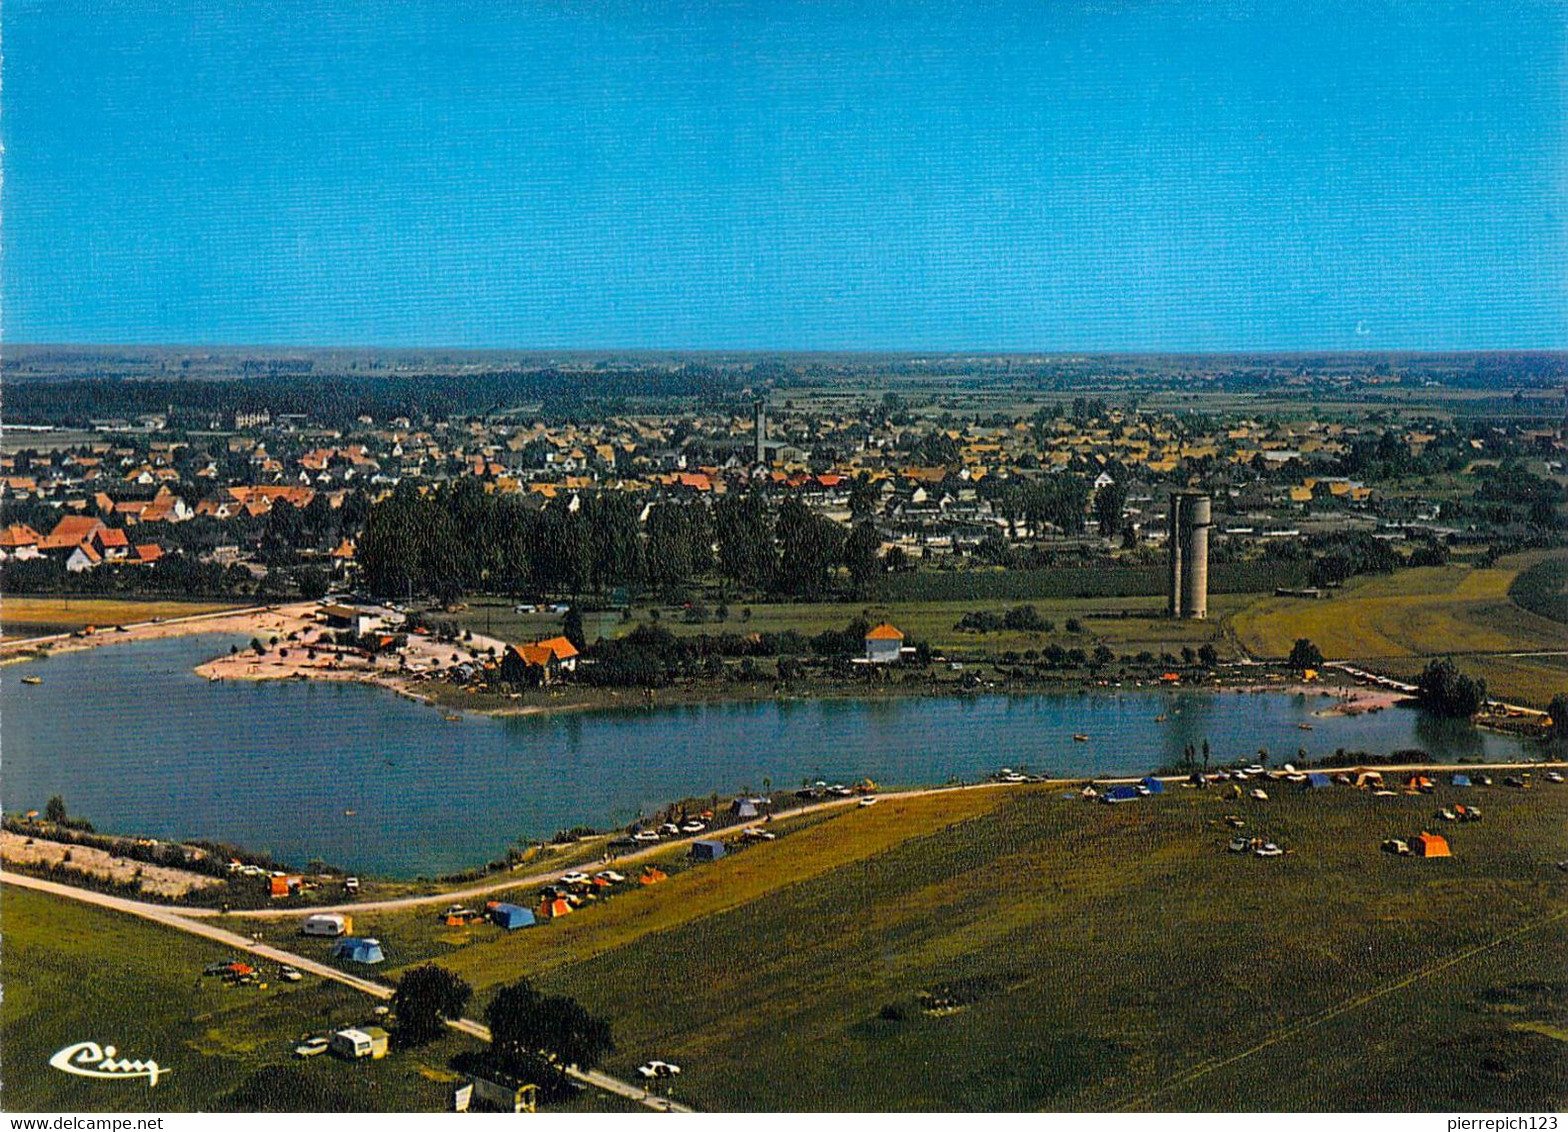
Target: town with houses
(934, 485)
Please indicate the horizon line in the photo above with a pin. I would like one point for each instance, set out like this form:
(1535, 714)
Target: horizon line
(788, 351)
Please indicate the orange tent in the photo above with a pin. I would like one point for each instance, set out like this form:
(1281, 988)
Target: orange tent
(1429, 845)
(550, 909)
(653, 876)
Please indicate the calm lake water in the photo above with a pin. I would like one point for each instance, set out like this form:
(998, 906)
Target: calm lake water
(137, 743)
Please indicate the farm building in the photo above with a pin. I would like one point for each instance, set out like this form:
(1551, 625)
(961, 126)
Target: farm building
(358, 950)
(884, 644)
(511, 916)
(1429, 845)
(707, 850)
(352, 1044)
(327, 923)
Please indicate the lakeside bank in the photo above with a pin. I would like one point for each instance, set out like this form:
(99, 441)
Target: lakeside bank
(339, 771)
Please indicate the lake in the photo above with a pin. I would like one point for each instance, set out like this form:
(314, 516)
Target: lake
(138, 743)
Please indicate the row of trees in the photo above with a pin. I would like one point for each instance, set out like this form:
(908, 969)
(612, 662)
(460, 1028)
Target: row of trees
(459, 539)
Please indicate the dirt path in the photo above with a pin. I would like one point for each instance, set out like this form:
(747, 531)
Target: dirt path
(172, 919)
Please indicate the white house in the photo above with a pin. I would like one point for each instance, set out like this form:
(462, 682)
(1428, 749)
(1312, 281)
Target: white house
(884, 644)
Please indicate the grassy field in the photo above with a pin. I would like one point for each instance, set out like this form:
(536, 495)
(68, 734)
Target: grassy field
(933, 622)
(74, 973)
(814, 847)
(1093, 957)
(1393, 621)
(1542, 587)
(41, 616)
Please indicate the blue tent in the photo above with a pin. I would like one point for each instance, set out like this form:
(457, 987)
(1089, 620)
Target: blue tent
(1317, 781)
(511, 916)
(358, 950)
(1122, 794)
(707, 850)
(1460, 780)
(1153, 785)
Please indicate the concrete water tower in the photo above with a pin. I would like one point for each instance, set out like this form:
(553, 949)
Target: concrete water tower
(1191, 515)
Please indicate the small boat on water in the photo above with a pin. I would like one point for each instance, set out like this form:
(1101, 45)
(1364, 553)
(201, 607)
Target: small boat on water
(1080, 738)
(32, 679)
(1160, 718)
(1303, 727)
(349, 813)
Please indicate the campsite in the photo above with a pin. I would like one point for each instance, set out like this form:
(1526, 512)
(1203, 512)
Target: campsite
(1111, 953)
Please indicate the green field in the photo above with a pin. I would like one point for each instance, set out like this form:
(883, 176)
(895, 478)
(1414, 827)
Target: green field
(1392, 622)
(43, 616)
(933, 622)
(1094, 957)
(1542, 588)
(74, 973)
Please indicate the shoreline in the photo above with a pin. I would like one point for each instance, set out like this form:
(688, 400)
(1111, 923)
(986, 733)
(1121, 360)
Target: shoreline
(300, 657)
(306, 651)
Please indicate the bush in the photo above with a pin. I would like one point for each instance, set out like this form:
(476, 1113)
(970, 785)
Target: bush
(1304, 655)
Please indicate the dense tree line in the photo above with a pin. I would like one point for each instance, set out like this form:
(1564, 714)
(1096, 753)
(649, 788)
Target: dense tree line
(339, 399)
(461, 539)
(651, 656)
(172, 575)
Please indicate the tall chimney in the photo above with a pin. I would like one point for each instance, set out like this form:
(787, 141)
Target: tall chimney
(762, 432)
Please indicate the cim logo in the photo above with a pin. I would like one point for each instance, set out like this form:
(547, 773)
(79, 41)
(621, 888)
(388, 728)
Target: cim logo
(89, 1059)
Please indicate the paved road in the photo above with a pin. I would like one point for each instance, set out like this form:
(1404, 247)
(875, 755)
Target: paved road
(170, 918)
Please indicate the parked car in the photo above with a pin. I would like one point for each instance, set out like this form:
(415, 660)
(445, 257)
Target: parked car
(655, 1069)
(610, 875)
(869, 800)
(351, 884)
(693, 826)
(313, 1046)
(1269, 850)
(646, 835)
(755, 834)
(290, 975)
(574, 878)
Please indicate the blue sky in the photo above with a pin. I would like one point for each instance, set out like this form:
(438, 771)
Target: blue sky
(1032, 176)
